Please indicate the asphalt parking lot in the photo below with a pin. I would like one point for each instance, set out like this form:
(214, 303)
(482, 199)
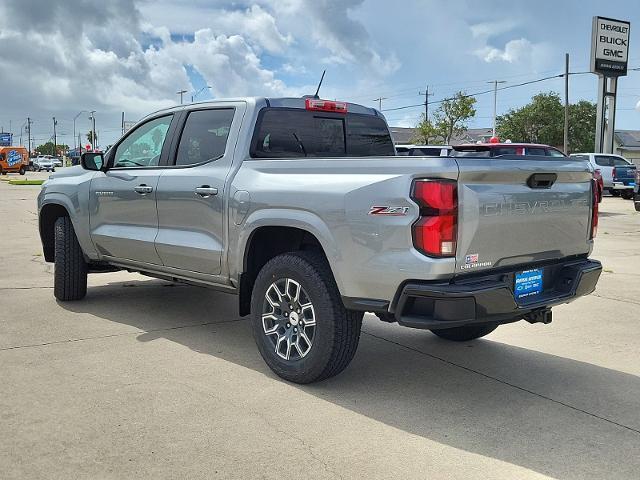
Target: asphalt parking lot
(146, 379)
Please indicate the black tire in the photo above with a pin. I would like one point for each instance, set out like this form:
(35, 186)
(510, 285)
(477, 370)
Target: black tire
(336, 332)
(70, 272)
(22, 171)
(636, 201)
(614, 193)
(464, 334)
(627, 194)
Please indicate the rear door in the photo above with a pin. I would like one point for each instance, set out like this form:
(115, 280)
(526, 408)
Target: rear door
(123, 215)
(605, 164)
(191, 193)
(517, 211)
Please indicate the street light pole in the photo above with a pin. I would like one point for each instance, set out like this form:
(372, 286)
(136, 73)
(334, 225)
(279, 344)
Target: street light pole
(181, 93)
(55, 139)
(93, 130)
(495, 102)
(199, 92)
(74, 131)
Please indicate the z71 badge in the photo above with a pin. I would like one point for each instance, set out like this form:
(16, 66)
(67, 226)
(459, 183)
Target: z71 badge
(386, 210)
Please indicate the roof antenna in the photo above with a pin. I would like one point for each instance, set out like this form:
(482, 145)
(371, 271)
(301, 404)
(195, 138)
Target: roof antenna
(319, 85)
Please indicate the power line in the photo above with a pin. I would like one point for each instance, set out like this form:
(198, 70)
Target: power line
(484, 92)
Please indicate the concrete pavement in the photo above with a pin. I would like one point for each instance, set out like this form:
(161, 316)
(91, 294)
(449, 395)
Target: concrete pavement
(147, 379)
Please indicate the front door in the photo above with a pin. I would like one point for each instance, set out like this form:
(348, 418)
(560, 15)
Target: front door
(191, 193)
(123, 214)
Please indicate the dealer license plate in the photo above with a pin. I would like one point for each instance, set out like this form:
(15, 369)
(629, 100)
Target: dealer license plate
(528, 283)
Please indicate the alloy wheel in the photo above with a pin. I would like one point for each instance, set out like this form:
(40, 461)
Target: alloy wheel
(288, 319)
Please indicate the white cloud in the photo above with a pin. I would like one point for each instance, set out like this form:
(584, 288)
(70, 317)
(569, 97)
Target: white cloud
(516, 51)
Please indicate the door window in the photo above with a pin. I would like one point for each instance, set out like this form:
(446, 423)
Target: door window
(555, 153)
(604, 161)
(142, 148)
(535, 151)
(204, 137)
(620, 162)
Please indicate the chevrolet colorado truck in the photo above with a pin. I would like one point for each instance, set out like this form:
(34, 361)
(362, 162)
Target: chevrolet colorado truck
(301, 208)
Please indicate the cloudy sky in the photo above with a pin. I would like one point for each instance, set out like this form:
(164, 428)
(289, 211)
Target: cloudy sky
(59, 58)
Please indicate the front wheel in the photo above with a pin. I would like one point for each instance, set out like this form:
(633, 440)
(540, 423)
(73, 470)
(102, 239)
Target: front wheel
(614, 193)
(627, 194)
(302, 329)
(70, 267)
(636, 201)
(463, 334)
(22, 171)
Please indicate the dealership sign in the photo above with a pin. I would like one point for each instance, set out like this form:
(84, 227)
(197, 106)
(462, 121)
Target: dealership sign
(609, 46)
(6, 139)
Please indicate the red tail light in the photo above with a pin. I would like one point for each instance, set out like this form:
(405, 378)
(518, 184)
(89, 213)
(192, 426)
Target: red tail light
(325, 105)
(435, 232)
(594, 209)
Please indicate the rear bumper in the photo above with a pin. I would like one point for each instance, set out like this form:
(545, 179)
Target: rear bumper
(490, 299)
(622, 186)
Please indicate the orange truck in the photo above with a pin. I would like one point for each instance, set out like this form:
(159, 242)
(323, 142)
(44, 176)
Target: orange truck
(14, 159)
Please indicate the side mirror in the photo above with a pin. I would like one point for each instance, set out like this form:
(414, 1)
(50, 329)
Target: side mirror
(92, 161)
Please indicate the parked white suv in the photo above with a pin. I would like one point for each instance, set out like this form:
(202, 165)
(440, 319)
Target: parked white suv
(605, 162)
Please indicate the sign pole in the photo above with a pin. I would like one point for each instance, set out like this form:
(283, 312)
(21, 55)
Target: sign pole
(600, 114)
(610, 127)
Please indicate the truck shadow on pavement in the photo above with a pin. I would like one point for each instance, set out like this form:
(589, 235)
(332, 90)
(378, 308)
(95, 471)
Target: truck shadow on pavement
(553, 415)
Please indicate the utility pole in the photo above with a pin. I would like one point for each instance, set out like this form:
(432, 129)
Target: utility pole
(566, 104)
(93, 129)
(379, 100)
(181, 93)
(29, 133)
(495, 103)
(426, 102)
(55, 139)
(122, 123)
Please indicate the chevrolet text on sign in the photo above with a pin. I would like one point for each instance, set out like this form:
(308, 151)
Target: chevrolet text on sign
(609, 46)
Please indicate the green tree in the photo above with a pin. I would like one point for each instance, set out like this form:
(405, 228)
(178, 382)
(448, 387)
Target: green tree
(451, 117)
(542, 121)
(582, 126)
(48, 149)
(426, 132)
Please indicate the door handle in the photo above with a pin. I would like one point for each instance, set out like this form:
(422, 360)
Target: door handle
(206, 191)
(143, 189)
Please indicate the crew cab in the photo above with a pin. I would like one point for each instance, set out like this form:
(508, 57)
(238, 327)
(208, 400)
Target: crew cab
(606, 163)
(300, 207)
(625, 177)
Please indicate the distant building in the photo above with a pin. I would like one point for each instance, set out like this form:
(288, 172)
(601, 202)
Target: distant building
(404, 135)
(627, 144)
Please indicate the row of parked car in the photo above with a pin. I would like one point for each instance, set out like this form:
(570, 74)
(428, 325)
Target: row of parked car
(613, 173)
(45, 162)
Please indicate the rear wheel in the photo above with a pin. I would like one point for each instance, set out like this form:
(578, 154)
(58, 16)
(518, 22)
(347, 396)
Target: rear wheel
(70, 268)
(614, 193)
(463, 334)
(636, 201)
(302, 329)
(627, 194)
(22, 171)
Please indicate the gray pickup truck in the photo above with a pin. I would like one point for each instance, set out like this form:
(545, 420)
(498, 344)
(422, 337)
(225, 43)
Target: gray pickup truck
(301, 208)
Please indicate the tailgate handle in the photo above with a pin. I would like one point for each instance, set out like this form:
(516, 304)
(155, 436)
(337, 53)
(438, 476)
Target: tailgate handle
(542, 180)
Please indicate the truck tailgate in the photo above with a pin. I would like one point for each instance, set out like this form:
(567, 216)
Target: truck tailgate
(509, 215)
